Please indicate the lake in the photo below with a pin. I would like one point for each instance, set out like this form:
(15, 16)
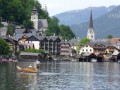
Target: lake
(61, 75)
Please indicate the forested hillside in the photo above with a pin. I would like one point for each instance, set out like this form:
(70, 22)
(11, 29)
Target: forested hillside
(82, 15)
(108, 24)
(19, 11)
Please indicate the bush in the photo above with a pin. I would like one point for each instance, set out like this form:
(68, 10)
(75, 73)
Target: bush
(34, 50)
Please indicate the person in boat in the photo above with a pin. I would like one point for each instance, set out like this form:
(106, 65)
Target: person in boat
(30, 69)
(38, 64)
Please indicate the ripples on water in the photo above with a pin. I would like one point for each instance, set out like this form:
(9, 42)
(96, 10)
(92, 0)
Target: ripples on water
(62, 76)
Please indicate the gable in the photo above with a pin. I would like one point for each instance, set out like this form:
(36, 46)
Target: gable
(58, 40)
(27, 31)
(111, 47)
(45, 39)
(32, 38)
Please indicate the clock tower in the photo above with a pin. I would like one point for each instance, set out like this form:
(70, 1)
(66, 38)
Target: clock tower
(34, 18)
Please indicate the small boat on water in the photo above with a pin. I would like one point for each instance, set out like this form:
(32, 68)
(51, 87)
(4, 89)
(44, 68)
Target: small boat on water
(30, 69)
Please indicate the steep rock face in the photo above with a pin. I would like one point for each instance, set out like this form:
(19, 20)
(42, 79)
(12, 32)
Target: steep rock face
(80, 16)
(108, 24)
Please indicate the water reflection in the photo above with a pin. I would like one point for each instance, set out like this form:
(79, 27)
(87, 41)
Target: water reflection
(62, 76)
(7, 76)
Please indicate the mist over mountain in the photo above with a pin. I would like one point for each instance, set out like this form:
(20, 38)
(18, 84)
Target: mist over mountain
(80, 16)
(108, 24)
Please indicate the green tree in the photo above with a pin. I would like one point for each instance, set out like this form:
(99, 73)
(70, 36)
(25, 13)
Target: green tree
(28, 24)
(109, 36)
(56, 19)
(4, 47)
(53, 28)
(34, 50)
(66, 32)
(73, 51)
(82, 42)
(19, 11)
(10, 30)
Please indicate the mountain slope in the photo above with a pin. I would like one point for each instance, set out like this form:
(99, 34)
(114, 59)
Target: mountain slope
(108, 24)
(80, 16)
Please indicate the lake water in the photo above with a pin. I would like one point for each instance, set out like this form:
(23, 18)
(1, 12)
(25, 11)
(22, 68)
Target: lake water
(62, 75)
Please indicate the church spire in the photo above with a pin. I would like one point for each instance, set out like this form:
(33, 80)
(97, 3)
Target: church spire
(91, 21)
(90, 33)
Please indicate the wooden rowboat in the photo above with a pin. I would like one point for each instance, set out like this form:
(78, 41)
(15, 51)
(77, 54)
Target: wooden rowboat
(30, 69)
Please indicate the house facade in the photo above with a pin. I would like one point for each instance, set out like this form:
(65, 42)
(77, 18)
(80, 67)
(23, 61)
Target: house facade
(86, 49)
(65, 49)
(73, 43)
(50, 44)
(111, 49)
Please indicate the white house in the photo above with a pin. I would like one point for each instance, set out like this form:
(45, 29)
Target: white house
(73, 43)
(86, 49)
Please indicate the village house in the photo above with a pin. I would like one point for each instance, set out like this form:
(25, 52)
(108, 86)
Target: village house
(40, 26)
(50, 44)
(86, 49)
(13, 44)
(114, 40)
(99, 47)
(74, 43)
(111, 49)
(65, 49)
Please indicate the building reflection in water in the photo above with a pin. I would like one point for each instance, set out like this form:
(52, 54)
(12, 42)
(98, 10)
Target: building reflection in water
(62, 75)
(7, 76)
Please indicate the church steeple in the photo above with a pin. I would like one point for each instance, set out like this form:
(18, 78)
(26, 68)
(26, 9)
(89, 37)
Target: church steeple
(91, 21)
(91, 34)
(34, 18)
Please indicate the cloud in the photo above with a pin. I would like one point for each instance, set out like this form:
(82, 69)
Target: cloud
(53, 5)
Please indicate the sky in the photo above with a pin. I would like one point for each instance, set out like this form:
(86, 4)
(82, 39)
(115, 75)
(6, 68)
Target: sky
(58, 6)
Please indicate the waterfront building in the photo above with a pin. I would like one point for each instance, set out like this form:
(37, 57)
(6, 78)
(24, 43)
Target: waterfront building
(86, 49)
(111, 49)
(27, 56)
(13, 45)
(91, 33)
(99, 47)
(65, 49)
(50, 44)
(73, 43)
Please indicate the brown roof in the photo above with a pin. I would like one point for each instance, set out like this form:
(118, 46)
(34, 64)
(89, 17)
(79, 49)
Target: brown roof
(114, 40)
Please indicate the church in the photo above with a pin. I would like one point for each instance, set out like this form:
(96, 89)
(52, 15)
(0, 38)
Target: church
(91, 33)
(40, 25)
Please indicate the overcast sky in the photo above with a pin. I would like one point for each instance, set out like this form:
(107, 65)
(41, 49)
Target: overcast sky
(59, 6)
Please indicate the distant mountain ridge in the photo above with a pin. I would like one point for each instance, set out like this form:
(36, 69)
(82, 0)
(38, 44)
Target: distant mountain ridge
(108, 24)
(80, 16)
